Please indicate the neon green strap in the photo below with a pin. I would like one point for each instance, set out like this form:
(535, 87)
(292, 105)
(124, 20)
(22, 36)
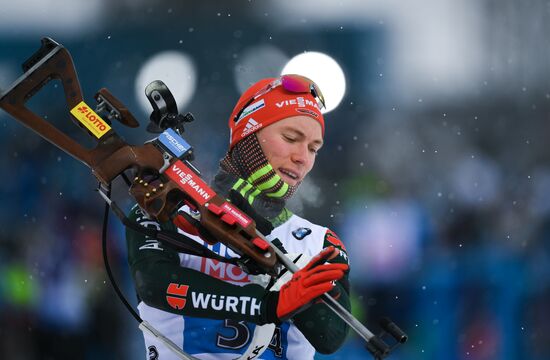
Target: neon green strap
(259, 173)
(281, 192)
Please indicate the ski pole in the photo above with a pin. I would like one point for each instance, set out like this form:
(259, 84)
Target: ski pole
(379, 348)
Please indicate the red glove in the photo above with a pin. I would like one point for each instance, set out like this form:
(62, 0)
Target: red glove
(310, 282)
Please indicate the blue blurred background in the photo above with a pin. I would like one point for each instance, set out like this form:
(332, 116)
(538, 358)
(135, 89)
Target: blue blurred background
(435, 172)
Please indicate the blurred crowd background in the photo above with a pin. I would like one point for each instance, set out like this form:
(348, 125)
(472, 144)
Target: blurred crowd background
(435, 171)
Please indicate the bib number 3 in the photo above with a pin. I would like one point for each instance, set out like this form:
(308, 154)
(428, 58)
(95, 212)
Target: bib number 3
(241, 337)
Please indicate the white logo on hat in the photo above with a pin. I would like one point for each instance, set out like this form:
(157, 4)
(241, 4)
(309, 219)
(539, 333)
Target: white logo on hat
(251, 109)
(251, 126)
(300, 101)
(251, 122)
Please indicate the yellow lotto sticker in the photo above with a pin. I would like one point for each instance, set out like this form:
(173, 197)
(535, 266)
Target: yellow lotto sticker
(90, 119)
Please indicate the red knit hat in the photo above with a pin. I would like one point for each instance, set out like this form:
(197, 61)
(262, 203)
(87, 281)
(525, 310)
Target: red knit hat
(276, 104)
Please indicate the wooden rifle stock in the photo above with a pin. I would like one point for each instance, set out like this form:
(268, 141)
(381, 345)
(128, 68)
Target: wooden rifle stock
(112, 156)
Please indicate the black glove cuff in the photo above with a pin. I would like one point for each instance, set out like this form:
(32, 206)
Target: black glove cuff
(269, 310)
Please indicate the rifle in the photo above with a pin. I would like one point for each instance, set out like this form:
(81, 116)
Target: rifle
(164, 178)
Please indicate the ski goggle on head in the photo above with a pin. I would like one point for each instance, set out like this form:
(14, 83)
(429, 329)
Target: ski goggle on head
(293, 83)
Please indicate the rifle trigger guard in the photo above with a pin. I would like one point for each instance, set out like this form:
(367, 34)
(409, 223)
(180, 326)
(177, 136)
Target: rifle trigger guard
(167, 159)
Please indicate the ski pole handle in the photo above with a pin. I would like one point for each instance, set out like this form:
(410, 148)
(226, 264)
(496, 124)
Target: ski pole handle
(380, 346)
